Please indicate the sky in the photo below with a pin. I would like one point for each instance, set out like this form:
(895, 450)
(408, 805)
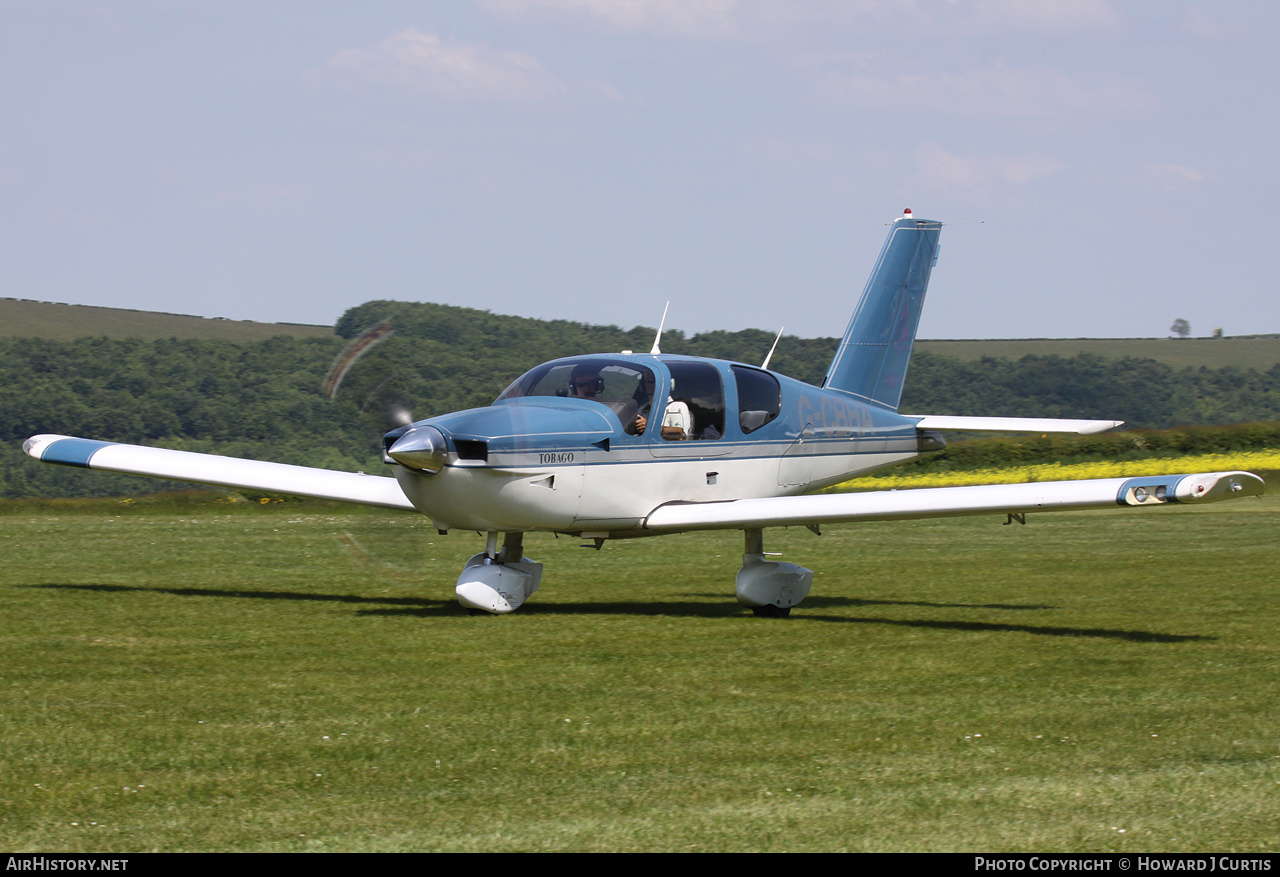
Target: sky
(1102, 168)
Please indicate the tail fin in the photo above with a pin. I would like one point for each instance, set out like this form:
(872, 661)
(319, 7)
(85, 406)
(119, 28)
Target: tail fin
(872, 358)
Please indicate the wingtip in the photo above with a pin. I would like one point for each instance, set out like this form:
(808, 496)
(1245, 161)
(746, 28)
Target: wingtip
(1100, 426)
(36, 445)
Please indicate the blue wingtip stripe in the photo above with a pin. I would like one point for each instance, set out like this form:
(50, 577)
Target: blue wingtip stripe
(1168, 482)
(72, 452)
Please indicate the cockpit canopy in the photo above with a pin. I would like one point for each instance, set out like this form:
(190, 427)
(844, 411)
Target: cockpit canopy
(692, 407)
(624, 386)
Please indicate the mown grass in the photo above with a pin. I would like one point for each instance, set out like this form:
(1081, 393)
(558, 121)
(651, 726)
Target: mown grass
(293, 677)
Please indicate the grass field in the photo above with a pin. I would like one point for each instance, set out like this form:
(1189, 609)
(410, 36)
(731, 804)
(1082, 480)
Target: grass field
(293, 677)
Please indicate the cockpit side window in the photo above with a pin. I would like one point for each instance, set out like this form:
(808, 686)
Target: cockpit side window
(759, 397)
(696, 405)
(621, 386)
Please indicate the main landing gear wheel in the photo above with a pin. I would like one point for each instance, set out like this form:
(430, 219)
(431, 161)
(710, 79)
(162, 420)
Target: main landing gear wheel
(767, 587)
(770, 611)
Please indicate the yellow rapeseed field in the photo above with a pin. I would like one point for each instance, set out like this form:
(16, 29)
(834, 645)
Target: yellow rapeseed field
(1251, 461)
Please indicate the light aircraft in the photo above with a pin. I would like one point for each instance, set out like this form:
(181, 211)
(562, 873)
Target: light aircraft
(622, 445)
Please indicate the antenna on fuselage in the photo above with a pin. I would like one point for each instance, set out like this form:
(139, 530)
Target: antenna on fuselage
(654, 351)
(765, 364)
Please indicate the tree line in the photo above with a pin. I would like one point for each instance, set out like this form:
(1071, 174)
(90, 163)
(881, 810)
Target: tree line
(264, 399)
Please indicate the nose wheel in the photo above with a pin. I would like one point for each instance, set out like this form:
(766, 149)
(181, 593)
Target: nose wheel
(497, 582)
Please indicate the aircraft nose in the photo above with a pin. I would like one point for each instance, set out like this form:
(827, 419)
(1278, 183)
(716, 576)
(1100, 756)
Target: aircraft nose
(422, 449)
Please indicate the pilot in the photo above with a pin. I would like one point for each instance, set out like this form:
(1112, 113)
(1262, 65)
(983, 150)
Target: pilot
(585, 382)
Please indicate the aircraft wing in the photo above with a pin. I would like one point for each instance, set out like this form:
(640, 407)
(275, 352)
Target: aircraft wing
(941, 502)
(375, 490)
(1014, 424)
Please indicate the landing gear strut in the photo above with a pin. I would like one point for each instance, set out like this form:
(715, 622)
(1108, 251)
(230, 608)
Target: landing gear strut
(768, 587)
(496, 581)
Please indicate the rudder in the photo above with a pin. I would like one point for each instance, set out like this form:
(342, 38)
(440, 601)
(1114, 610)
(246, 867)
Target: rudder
(872, 359)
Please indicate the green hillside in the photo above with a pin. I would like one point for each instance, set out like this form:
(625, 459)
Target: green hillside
(262, 398)
(22, 318)
(1246, 351)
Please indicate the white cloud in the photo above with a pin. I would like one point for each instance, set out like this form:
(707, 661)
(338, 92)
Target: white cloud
(1172, 176)
(1216, 30)
(712, 19)
(672, 17)
(603, 89)
(938, 168)
(756, 18)
(447, 67)
(1048, 14)
(998, 91)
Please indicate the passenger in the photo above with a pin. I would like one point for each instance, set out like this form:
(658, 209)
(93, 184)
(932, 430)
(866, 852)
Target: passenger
(677, 419)
(644, 399)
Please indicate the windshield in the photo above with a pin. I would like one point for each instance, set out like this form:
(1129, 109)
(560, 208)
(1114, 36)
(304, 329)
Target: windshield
(624, 387)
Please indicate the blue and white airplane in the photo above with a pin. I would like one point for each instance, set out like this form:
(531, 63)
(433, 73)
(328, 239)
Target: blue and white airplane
(616, 446)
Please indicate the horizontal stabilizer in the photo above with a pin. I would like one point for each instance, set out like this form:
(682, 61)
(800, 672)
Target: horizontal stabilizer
(375, 490)
(1015, 424)
(941, 502)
